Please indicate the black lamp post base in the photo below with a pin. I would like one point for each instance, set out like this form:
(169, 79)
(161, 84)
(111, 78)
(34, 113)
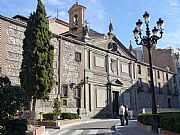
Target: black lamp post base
(155, 123)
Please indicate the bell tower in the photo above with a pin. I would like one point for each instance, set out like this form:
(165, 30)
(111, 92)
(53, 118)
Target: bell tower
(76, 19)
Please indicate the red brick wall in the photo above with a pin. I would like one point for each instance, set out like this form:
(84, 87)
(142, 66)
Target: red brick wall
(160, 58)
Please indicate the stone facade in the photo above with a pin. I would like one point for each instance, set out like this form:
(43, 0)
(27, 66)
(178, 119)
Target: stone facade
(95, 74)
(167, 59)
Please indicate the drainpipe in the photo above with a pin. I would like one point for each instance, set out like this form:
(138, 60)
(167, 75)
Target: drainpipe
(59, 66)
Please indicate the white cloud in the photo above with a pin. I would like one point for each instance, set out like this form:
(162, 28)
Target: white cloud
(173, 2)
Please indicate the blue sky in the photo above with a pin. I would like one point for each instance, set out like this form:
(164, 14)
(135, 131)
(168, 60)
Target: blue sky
(124, 14)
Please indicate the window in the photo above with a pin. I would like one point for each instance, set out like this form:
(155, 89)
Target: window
(75, 19)
(77, 92)
(158, 74)
(114, 66)
(149, 84)
(178, 70)
(167, 78)
(64, 102)
(174, 79)
(139, 69)
(78, 56)
(159, 88)
(78, 103)
(168, 90)
(148, 70)
(64, 90)
(112, 46)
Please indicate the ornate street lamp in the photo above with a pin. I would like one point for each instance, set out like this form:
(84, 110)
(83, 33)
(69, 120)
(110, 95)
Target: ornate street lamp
(148, 41)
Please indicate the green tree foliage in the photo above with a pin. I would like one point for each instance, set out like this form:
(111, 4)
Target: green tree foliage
(12, 98)
(37, 72)
(57, 107)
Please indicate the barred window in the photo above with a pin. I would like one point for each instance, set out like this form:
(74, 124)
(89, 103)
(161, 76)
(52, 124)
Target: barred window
(64, 102)
(64, 90)
(78, 56)
(77, 92)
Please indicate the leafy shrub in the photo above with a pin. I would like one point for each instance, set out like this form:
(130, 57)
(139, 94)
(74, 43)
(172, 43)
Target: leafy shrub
(50, 116)
(177, 127)
(168, 120)
(69, 115)
(57, 107)
(56, 112)
(145, 118)
(16, 126)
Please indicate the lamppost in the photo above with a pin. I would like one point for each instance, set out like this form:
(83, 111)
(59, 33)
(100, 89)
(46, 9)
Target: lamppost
(148, 41)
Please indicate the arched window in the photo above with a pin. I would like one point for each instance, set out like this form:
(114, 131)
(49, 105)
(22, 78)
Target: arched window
(75, 19)
(112, 46)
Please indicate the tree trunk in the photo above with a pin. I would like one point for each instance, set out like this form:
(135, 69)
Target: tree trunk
(32, 109)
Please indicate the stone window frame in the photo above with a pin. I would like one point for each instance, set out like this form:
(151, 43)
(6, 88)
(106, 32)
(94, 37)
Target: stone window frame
(78, 56)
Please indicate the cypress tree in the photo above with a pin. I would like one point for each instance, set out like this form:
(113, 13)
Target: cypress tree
(37, 72)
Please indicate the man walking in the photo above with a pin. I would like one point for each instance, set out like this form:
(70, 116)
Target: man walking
(121, 114)
(126, 114)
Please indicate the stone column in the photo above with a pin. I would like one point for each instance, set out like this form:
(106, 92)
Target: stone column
(86, 61)
(109, 65)
(90, 59)
(86, 98)
(118, 67)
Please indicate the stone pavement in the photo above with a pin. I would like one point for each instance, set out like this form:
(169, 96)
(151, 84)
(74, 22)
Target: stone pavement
(133, 129)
